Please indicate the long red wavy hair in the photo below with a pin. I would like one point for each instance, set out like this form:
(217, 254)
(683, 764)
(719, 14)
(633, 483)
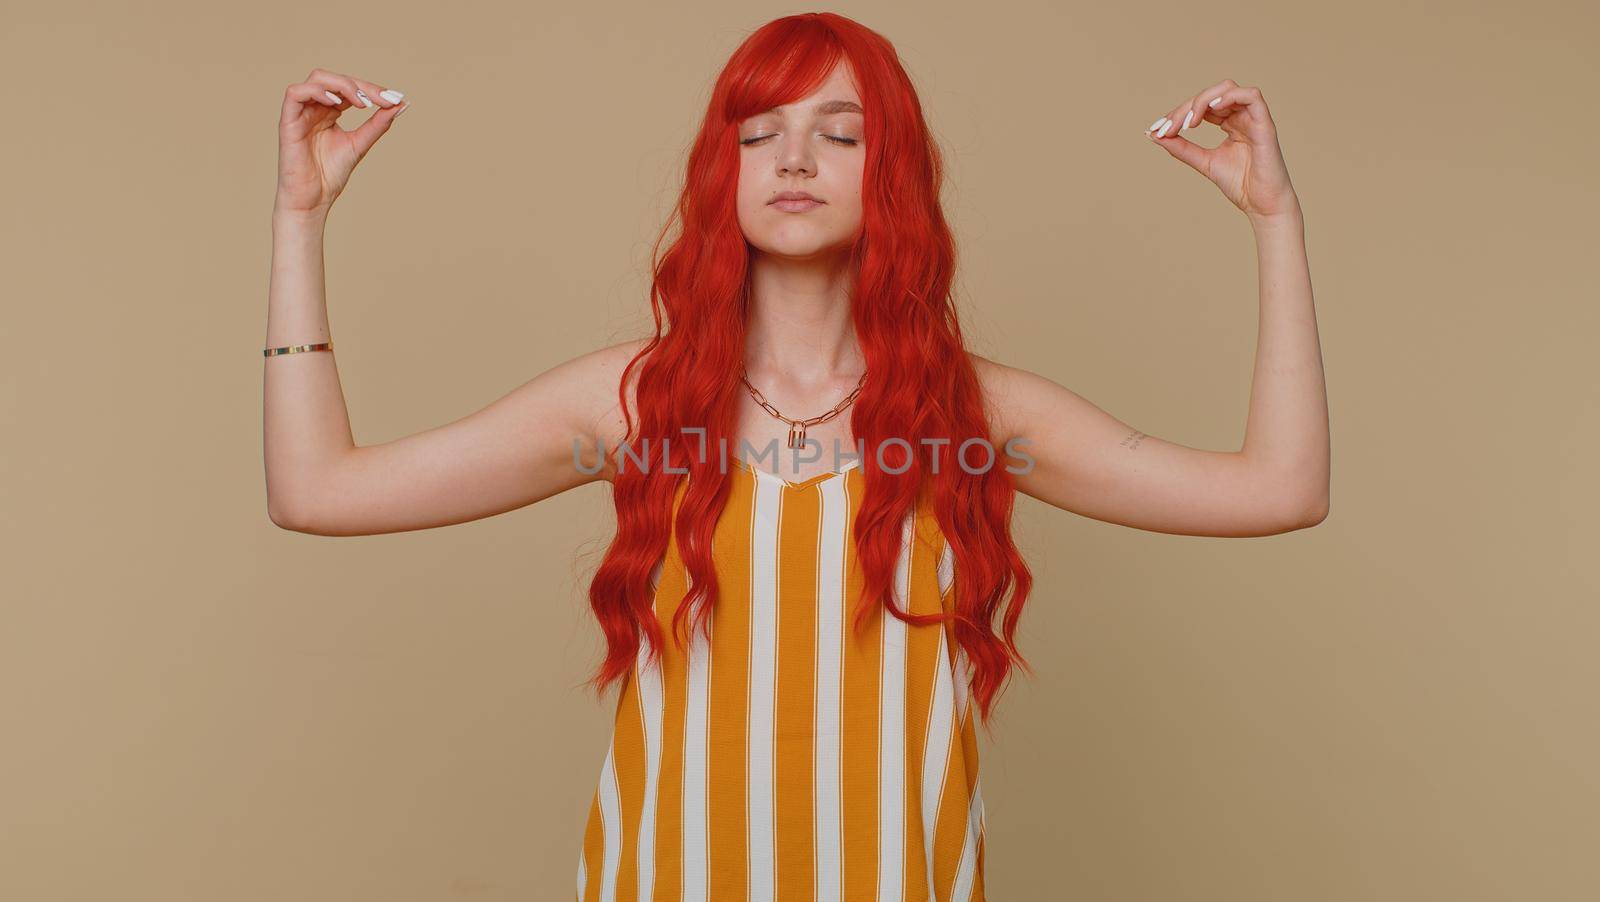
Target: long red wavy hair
(921, 382)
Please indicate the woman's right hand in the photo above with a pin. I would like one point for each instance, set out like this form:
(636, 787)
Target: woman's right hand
(315, 156)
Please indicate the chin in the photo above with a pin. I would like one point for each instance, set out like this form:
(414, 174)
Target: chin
(803, 243)
(810, 250)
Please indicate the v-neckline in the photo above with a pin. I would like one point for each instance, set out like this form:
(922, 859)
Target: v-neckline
(802, 484)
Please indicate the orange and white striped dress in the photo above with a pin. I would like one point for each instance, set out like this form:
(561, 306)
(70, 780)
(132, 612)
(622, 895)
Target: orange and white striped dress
(793, 761)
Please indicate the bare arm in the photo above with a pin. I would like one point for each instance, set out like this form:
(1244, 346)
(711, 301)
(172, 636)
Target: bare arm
(515, 451)
(1090, 462)
(1087, 461)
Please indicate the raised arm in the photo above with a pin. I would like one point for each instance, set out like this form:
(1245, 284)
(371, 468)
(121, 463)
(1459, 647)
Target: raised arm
(513, 452)
(1090, 462)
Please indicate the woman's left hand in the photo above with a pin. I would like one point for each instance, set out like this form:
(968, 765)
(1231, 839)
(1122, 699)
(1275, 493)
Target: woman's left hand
(1248, 164)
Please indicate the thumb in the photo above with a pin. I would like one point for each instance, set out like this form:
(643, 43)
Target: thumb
(376, 126)
(1184, 149)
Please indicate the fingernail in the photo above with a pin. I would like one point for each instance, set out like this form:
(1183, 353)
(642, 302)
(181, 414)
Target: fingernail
(1156, 123)
(334, 97)
(1188, 118)
(1163, 132)
(401, 112)
(363, 97)
(392, 96)
(1214, 101)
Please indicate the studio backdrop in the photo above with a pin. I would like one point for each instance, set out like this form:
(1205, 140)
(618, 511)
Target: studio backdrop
(1396, 705)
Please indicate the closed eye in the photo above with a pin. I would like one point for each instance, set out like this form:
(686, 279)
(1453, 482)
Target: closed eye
(848, 142)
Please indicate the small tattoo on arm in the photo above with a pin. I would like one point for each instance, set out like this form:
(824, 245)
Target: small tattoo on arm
(1132, 440)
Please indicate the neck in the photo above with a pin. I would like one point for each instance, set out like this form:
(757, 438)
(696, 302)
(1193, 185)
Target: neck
(799, 326)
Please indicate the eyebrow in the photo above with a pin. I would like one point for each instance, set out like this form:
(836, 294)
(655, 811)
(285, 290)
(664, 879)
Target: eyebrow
(833, 106)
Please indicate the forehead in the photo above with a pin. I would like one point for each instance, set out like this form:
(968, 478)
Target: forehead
(836, 94)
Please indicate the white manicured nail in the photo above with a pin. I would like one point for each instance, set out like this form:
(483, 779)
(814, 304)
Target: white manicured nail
(362, 96)
(334, 97)
(1156, 123)
(1188, 118)
(392, 96)
(1215, 101)
(1163, 132)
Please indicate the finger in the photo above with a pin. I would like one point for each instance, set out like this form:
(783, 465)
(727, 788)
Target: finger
(1203, 100)
(1240, 99)
(1175, 120)
(377, 94)
(1182, 148)
(298, 95)
(1212, 114)
(306, 92)
(1188, 114)
(1206, 102)
(376, 126)
(1172, 123)
(342, 85)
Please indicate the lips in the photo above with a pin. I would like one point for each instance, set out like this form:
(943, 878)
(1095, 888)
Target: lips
(795, 201)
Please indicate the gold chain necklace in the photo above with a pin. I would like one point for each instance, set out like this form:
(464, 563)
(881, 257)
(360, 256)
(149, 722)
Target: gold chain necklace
(797, 428)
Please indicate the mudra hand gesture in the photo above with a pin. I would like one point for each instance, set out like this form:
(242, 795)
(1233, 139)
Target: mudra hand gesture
(315, 155)
(1248, 165)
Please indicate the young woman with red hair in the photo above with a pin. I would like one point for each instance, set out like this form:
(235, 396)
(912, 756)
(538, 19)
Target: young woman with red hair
(803, 649)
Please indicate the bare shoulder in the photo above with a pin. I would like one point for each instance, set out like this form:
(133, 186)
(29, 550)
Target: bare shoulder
(601, 375)
(574, 403)
(1025, 405)
(589, 381)
(602, 368)
(1000, 385)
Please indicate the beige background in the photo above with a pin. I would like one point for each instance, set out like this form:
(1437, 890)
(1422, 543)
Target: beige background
(1396, 705)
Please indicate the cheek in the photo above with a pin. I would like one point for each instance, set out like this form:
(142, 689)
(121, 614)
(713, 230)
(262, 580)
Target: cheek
(849, 190)
(850, 203)
(750, 190)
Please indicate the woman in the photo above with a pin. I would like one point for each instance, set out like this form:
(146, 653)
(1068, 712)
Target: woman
(796, 655)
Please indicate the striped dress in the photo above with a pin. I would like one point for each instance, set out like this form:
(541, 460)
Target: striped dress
(793, 760)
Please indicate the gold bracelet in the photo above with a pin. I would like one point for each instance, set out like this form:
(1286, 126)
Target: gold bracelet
(296, 349)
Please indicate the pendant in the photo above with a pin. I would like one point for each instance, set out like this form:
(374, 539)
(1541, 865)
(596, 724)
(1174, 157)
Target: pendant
(797, 435)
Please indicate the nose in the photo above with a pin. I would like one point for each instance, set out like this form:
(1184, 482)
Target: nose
(794, 157)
